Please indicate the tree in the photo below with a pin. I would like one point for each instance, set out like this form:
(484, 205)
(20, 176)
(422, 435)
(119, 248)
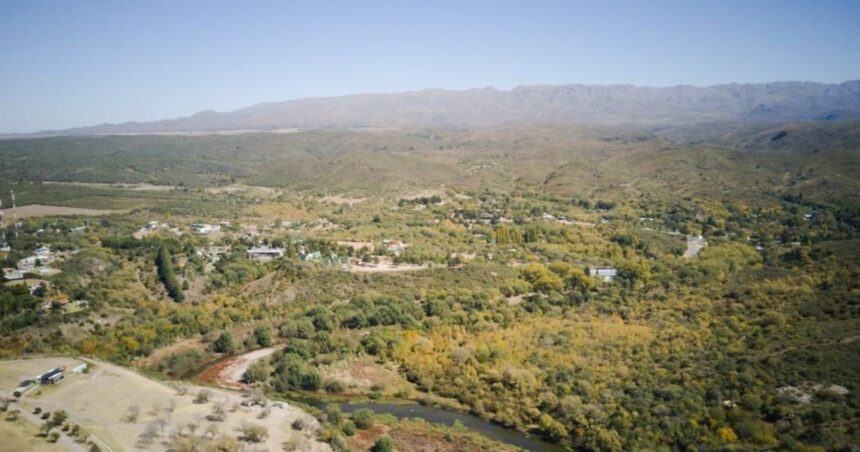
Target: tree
(224, 343)
(310, 380)
(166, 273)
(541, 278)
(727, 434)
(58, 418)
(259, 371)
(263, 335)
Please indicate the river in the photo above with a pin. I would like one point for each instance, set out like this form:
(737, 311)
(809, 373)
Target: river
(447, 417)
(221, 376)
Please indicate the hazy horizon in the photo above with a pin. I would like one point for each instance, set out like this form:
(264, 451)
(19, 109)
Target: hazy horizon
(67, 66)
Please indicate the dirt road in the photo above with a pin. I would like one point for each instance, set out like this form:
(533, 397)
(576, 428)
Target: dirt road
(694, 245)
(229, 372)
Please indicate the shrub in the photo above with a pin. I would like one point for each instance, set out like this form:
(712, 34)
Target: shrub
(254, 433)
(13, 415)
(348, 428)
(334, 387)
(299, 424)
(363, 418)
(203, 396)
(383, 444)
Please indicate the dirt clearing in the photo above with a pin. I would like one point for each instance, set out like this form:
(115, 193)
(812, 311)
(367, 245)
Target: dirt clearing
(39, 210)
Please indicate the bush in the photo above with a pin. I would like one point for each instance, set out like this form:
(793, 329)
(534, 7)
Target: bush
(311, 380)
(333, 413)
(13, 415)
(299, 424)
(334, 387)
(348, 428)
(363, 418)
(203, 396)
(254, 433)
(383, 444)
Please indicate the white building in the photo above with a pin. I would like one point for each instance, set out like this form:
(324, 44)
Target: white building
(213, 253)
(13, 274)
(607, 274)
(204, 228)
(265, 253)
(396, 247)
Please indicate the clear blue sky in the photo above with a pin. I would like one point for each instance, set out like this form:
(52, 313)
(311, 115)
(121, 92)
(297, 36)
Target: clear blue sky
(75, 63)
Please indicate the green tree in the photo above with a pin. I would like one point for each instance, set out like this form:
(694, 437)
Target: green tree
(224, 343)
(259, 371)
(263, 335)
(166, 273)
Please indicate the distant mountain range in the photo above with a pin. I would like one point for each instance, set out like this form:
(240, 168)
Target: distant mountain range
(568, 104)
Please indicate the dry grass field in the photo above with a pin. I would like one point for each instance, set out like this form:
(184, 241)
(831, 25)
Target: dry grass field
(20, 436)
(103, 400)
(38, 210)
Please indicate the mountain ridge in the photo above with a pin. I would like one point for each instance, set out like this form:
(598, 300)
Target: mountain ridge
(627, 105)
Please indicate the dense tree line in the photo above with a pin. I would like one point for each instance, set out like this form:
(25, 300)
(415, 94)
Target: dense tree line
(167, 273)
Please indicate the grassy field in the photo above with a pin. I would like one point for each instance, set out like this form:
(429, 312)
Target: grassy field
(20, 436)
(101, 402)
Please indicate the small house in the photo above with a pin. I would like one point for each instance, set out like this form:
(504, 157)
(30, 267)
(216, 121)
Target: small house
(607, 274)
(204, 228)
(12, 274)
(396, 247)
(315, 256)
(42, 252)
